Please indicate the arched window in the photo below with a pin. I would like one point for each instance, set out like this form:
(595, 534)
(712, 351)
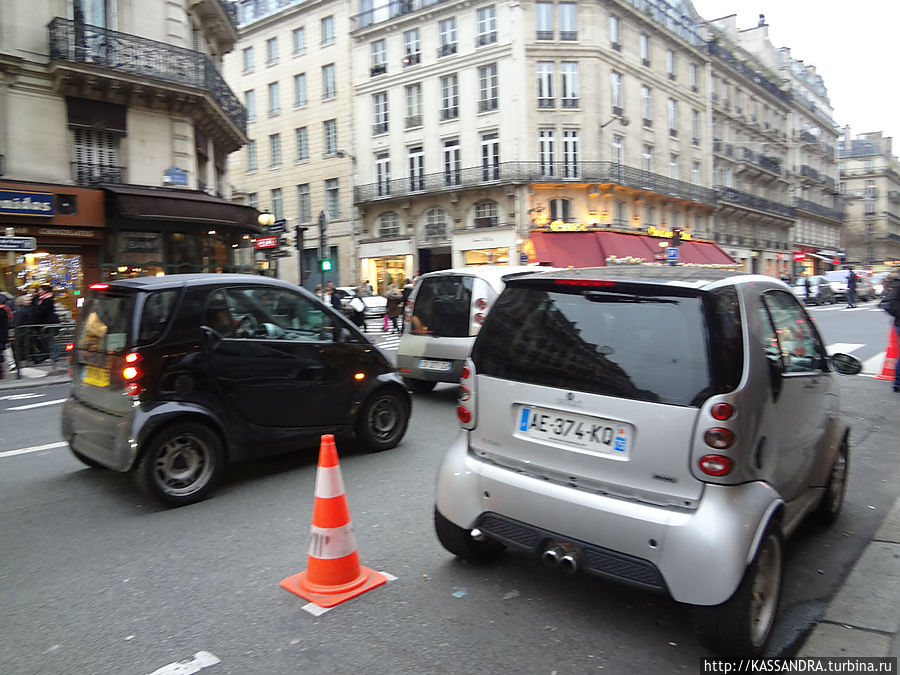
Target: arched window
(388, 224)
(436, 224)
(486, 214)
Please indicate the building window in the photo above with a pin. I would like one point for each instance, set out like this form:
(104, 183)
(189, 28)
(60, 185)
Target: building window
(298, 41)
(277, 203)
(329, 129)
(487, 26)
(380, 113)
(383, 174)
(416, 163)
(332, 198)
(618, 152)
(645, 49)
(693, 77)
(561, 209)
(250, 104)
(299, 90)
(547, 151)
(436, 224)
(543, 16)
(646, 107)
(411, 47)
(452, 165)
(616, 93)
(248, 59)
(274, 150)
(251, 155)
(379, 57)
(568, 21)
(672, 108)
(670, 64)
(568, 71)
(490, 156)
(695, 173)
(304, 206)
(413, 105)
(449, 97)
(271, 51)
(673, 166)
(302, 144)
(488, 88)
(545, 84)
(329, 84)
(447, 31)
(389, 225)
(274, 103)
(486, 214)
(253, 200)
(695, 127)
(571, 151)
(647, 158)
(327, 30)
(614, 33)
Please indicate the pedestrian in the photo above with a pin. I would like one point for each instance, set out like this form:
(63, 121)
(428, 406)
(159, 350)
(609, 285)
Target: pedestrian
(806, 289)
(332, 297)
(891, 304)
(407, 289)
(369, 289)
(6, 321)
(394, 306)
(851, 287)
(358, 308)
(318, 291)
(23, 337)
(43, 317)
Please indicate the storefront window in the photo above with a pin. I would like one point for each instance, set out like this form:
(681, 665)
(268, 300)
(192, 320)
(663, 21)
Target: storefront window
(390, 271)
(61, 271)
(486, 256)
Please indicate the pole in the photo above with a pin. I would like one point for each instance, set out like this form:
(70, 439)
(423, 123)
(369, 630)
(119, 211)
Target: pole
(323, 244)
(299, 241)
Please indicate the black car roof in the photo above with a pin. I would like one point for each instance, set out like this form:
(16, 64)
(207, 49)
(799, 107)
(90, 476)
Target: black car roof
(178, 280)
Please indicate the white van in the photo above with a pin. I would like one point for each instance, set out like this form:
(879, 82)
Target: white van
(441, 318)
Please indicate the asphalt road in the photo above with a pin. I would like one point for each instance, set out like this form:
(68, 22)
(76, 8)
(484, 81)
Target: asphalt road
(95, 579)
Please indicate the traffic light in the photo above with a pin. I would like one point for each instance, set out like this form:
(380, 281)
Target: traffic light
(325, 264)
(676, 236)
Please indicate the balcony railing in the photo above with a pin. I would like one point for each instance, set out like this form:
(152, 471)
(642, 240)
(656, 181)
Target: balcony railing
(125, 53)
(752, 201)
(506, 173)
(818, 209)
(85, 173)
(717, 50)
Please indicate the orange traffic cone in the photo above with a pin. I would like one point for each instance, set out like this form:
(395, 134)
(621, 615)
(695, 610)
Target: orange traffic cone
(333, 573)
(890, 358)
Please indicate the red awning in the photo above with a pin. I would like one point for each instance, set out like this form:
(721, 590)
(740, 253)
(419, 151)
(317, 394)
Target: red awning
(573, 249)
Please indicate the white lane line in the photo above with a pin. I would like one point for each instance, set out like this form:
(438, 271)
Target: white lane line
(34, 448)
(19, 397)
(200, 661)
(37, 405)
(844, 347)
(874, 365)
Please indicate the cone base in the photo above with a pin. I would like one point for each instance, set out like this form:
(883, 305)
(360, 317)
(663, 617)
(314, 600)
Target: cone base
(366, 581)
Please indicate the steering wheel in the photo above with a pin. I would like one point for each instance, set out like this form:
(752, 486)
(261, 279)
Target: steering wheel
(246, 327)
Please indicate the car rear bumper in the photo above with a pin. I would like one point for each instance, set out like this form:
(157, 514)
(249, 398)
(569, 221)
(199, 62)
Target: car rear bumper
(98, 435)
(698, 556)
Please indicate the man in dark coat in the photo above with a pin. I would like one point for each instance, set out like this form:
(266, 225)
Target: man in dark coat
(851, 288)
(5, 324)
(891, 305)
(43, 314)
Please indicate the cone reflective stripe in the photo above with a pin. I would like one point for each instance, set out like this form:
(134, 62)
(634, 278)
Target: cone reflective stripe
(889, 369)
(333, 573)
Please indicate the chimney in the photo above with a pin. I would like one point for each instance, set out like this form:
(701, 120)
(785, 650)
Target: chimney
(848, 141)
(762, 21)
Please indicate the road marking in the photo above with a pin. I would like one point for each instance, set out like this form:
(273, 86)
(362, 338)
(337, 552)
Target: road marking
(19, 397)
(874, 365)
(844, 347)
(34, 448)
(200, 661)
(37, 405)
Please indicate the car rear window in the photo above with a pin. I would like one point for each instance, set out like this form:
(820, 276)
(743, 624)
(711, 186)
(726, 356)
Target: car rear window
(645, 342)
(442, 307)
(106, 324)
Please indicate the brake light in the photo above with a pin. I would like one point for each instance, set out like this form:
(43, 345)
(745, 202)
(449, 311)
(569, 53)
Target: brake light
(481, 304)
(465, 373)
(719, 438)
(715, 465)
(721, 411)
(464, 393)
(130, 373)
(585, 282)
(479, 318)
(464, 414)
(132, 357)
(98, 287)
(465, 396)
(70, 347)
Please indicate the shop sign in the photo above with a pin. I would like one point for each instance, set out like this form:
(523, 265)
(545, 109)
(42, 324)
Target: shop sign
(21, 203)
(667, 234)
(265, 242)
(147, 244)
(563, 226)
(175, 176)
(18, 243)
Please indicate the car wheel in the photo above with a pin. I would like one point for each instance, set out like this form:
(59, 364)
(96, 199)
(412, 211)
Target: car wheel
(419, 386)
(181, 465)
(740, 627)
(87, 461)
(382, 420)
(460, 543)
(833, 499)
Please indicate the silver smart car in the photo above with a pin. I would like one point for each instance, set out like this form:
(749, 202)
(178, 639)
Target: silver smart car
(664, 427)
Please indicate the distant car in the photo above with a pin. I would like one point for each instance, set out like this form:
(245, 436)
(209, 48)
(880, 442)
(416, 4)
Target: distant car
(376, 305)
(666, 428)
(820, 292)
(174, 377)
(838, 281)
(878, 283)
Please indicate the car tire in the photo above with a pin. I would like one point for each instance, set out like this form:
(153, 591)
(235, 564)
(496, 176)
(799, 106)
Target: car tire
(382, 420)
(460, 543)
(833, 500)
(87, 461)
(419, 386)
(181, 465)
(741, 626)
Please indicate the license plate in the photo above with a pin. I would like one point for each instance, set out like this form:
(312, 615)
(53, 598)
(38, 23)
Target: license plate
(442, 366)
(582, 431)
(97, 377)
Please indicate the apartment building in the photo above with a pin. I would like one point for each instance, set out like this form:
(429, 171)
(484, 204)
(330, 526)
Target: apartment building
(870, 184)
(115, 123)
(292, 69)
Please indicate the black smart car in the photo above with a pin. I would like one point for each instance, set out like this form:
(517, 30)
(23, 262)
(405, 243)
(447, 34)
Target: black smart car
(174, 377)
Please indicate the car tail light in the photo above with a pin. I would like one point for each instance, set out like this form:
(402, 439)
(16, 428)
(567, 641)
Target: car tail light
(466, 396)
(98, 287)
(719, 438)
(131, 372)
(585, 282)
(407, 313)
(481, 304)
(715, 465)
(464, 414)
(464, 393)
(722, 411)
(479, 318)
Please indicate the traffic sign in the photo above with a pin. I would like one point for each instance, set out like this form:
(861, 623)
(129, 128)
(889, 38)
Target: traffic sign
(278, 226)
(18, 243)
(672, 254)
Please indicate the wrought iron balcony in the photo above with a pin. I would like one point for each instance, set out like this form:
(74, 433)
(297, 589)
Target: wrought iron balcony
(717, 50)
(727, 194)
(85, 173)
(512, 173)
(818, 209)
(125, 53)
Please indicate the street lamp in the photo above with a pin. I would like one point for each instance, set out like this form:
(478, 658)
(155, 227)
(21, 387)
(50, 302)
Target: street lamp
(265, 219)
(624, 119)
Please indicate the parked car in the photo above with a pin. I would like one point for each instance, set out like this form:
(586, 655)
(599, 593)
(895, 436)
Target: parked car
(376, 305)
(838, 280)
(820, 292)
(442, 316)
(663, 427)
(175, 376)
(877, 280)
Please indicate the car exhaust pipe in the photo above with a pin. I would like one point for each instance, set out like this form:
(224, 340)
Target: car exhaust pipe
(569, 563)
(552, 556)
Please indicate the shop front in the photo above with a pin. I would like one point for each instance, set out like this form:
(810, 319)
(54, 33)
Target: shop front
(387, 262)
(484, 246)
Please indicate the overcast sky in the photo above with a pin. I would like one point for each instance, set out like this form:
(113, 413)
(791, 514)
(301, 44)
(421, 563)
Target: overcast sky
(852, 43)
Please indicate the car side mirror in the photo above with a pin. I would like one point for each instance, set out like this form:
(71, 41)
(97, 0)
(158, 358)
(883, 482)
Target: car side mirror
(846, 364)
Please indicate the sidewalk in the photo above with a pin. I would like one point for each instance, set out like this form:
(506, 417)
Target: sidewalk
(863, 618)
(35, 375)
